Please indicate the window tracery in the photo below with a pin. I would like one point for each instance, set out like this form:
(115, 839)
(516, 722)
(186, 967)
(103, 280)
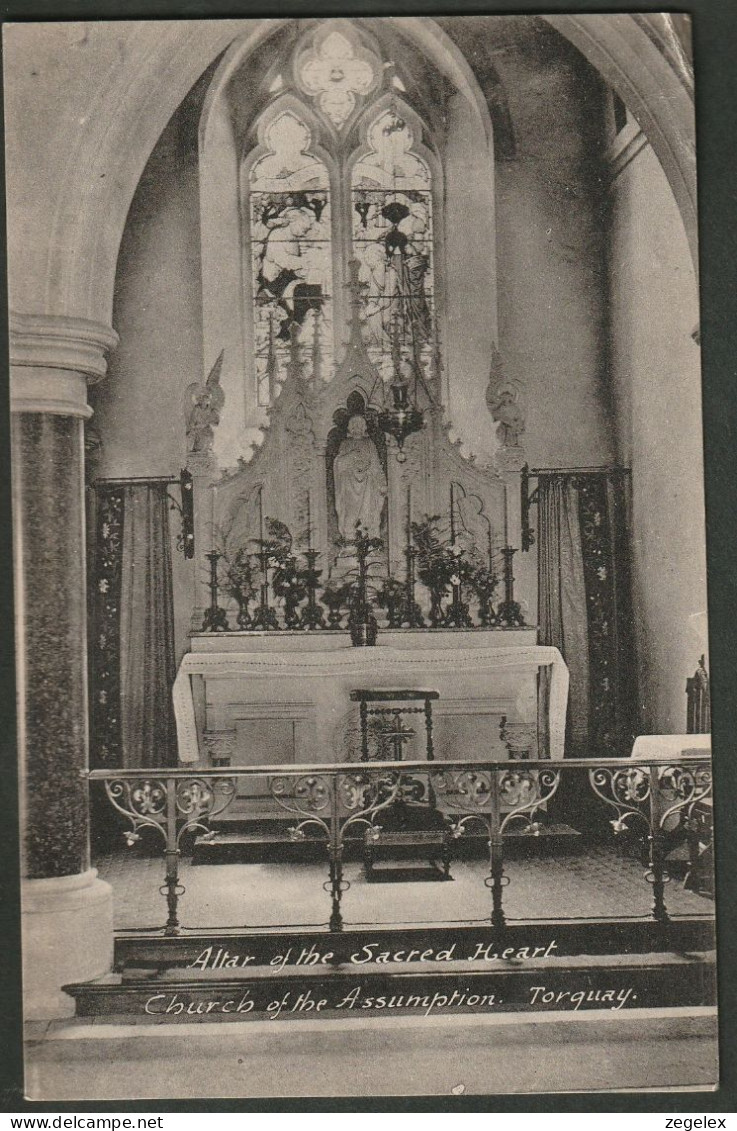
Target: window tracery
(306, 221)
(335, 72)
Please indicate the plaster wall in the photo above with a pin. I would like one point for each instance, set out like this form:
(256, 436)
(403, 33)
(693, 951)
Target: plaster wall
(43, 128)
(655, 373)
(139, 407)
(551, 280)
(550, 265)
(470, 276)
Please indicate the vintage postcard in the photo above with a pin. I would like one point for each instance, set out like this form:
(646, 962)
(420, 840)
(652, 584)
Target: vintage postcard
(364, 710)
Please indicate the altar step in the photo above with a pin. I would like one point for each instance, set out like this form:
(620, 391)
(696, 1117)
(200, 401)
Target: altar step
(438, 986)
(266, 839)
(220, 949)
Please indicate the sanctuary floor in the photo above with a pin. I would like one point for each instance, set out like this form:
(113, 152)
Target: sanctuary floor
(601, 881)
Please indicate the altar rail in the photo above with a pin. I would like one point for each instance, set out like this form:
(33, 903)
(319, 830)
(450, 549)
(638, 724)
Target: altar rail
(340, 803)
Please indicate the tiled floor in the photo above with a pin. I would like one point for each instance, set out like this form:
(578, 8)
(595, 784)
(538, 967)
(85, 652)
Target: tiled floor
(600, 882)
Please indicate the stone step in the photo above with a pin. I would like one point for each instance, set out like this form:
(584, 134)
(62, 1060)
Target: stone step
(267, 840)
(621, 982)
(519, 939)
(437, 964)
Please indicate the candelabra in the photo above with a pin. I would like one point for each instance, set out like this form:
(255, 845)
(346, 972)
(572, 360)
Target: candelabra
(264, 616)
(215, 619)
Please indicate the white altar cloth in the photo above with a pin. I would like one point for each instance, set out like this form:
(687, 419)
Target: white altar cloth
(328, 665)
(672, 746)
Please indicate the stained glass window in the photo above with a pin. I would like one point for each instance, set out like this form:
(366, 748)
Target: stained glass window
(289, 205)
(392, 228)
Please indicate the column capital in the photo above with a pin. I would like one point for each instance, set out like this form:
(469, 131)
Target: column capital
(53, 358)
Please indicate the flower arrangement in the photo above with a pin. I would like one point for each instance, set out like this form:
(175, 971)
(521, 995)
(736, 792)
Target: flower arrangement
(392, 595)
(485, 584)
(445, 565)
(238, 578)
(442, 565)
(290, 580)
(358, 589)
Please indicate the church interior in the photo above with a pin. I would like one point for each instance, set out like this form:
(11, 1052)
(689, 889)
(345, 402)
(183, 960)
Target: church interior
(359, 552)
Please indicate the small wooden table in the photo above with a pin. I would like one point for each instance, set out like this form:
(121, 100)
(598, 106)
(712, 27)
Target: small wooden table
(413, 825)
(401, 734)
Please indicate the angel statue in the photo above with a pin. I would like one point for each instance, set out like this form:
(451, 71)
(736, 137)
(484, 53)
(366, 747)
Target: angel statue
(504, 400)
(202, 405)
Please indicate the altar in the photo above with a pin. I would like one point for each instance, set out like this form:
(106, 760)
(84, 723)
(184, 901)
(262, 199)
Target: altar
(283, 698)
(356, 546)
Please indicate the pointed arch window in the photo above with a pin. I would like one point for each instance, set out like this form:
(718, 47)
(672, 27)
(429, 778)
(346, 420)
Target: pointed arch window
(291, 251)
(392, 233)
(339, 173)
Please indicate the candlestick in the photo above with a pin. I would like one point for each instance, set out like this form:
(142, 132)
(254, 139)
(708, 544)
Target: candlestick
(411, 613)
(309, 523)
(264, 617)
(506, 519)
(215, 617)
(213, 523)
(312, 614)
(452, 517)
(509, 613)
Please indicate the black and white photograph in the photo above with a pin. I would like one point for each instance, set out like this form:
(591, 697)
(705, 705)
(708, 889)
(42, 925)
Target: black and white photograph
(360, 584)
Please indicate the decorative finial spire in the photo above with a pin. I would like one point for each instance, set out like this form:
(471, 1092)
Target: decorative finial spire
(436, 365)
(316, 349)
(272, 365)
(294, 365)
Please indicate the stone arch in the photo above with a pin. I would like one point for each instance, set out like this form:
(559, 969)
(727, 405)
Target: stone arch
(639, 65)
(77, 272)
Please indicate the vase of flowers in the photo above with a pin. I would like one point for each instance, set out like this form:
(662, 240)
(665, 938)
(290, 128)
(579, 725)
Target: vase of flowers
(239, 581)
(335, 598)
(289, 582)
(484, 583)
(392, 596)
(439, 563)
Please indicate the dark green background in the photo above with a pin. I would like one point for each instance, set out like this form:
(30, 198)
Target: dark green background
(715, 59)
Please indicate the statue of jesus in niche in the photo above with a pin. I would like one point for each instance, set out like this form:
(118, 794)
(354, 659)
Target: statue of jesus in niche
(360, 482)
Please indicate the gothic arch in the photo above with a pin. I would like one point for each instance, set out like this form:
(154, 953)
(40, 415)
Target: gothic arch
(77, 272)
(640, 69)
(226, 322)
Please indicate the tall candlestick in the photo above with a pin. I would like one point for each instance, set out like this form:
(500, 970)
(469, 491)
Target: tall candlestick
(261, 514)
(452, 517)
(309, 523)
(506, 519)
(409, 513)
(213, 518)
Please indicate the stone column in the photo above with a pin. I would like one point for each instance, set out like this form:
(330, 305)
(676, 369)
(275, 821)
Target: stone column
(66, 910)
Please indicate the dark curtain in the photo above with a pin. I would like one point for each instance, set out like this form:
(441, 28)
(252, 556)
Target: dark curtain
(585, 608)
(132, 636)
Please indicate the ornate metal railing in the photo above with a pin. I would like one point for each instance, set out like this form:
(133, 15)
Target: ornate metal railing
(338, 804)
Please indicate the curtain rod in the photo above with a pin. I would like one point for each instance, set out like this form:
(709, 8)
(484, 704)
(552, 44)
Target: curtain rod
(135, 479)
